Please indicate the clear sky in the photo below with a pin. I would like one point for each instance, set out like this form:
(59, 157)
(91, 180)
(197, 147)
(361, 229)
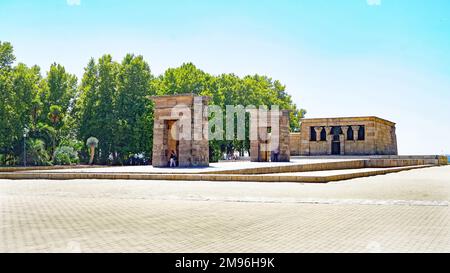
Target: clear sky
(388, 58)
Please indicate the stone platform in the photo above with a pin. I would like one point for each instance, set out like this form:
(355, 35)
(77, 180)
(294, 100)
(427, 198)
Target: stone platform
(400, 212)
(303, 170)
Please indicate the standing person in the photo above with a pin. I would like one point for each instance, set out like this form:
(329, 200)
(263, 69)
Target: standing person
(275, 155)
(173, 159)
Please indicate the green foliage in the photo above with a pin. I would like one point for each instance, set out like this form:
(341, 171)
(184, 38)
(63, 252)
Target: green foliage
(55, 115)
(92, 141)
(133, 110)
(96, 108)
(65, 155)
(36, 153)
(58, 88)
(18, 89)
(7, 57)
(44, 132)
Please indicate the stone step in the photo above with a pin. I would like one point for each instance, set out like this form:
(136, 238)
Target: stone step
(304, 177)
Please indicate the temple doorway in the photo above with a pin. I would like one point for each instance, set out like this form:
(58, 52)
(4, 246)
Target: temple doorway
(336, 143)
(173, 142)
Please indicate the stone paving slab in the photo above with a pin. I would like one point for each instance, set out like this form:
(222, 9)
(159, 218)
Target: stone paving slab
(104, 225)
(401, 212)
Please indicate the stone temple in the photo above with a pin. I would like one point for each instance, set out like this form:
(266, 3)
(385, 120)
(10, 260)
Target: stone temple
(345, 136)
(181, 128)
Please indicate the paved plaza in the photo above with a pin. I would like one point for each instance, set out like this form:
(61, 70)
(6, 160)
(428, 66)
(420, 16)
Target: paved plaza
(401, 212)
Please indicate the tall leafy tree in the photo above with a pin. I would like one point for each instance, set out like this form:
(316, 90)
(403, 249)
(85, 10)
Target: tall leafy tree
(25, 86)
(86, 102)
(133, 109)
(96, 106)
(54, 106)
(7, 115)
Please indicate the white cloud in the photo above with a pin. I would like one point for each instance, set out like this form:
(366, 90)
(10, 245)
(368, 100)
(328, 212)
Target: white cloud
(373, 2)
(73, 2)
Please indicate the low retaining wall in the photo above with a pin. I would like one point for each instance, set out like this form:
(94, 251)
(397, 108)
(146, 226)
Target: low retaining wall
(425, 159)
(204, 177)
(46, 168)
(385, 163)
(326, 166)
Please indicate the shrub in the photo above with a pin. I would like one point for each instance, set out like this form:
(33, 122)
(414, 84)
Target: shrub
(65, 155)
(36, 153)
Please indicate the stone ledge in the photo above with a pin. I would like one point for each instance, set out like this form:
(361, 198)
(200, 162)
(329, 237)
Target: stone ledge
(44, 168)
(206, 177)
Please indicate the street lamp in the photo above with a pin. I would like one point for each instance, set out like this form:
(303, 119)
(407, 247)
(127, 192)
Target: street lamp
(25, 134)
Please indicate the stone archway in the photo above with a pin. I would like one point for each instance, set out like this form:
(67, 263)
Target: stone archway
(179, 125)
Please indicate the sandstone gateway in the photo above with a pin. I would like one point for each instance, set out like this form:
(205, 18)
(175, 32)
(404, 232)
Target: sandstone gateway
(174, 130)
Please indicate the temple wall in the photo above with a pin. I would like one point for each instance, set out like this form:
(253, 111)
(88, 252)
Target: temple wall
(379, 137)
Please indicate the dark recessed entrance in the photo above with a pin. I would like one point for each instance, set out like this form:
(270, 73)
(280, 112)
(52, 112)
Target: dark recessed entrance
(336, 148)
(336, 143)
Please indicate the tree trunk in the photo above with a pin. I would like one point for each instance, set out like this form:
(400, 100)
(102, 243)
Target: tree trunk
(91, 160)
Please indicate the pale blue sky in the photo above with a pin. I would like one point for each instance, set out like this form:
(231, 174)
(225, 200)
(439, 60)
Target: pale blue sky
(389, 58)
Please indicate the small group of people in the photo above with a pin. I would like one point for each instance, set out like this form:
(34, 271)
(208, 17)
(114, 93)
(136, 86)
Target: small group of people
(137, 159)
(232, 156)
(173, 159)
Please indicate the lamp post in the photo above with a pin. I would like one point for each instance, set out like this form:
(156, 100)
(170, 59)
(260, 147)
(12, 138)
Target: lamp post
(25, 134)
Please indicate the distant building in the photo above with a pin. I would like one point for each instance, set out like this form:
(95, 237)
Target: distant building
(345, 136)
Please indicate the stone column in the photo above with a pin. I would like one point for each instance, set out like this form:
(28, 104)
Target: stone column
(329, 139)
(355, 132)
(344, 139)
(342, 143)
(318, 130)
(328, 130)
(345, 130)
(356, 149)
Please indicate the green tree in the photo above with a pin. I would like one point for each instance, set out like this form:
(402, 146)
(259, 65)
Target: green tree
(182, 80)
(96, 106)
(134, 112)
(85, 106)
(20, 90)
(7, 58)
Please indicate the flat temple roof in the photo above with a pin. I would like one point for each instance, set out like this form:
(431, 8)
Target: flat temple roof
(337, 119)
